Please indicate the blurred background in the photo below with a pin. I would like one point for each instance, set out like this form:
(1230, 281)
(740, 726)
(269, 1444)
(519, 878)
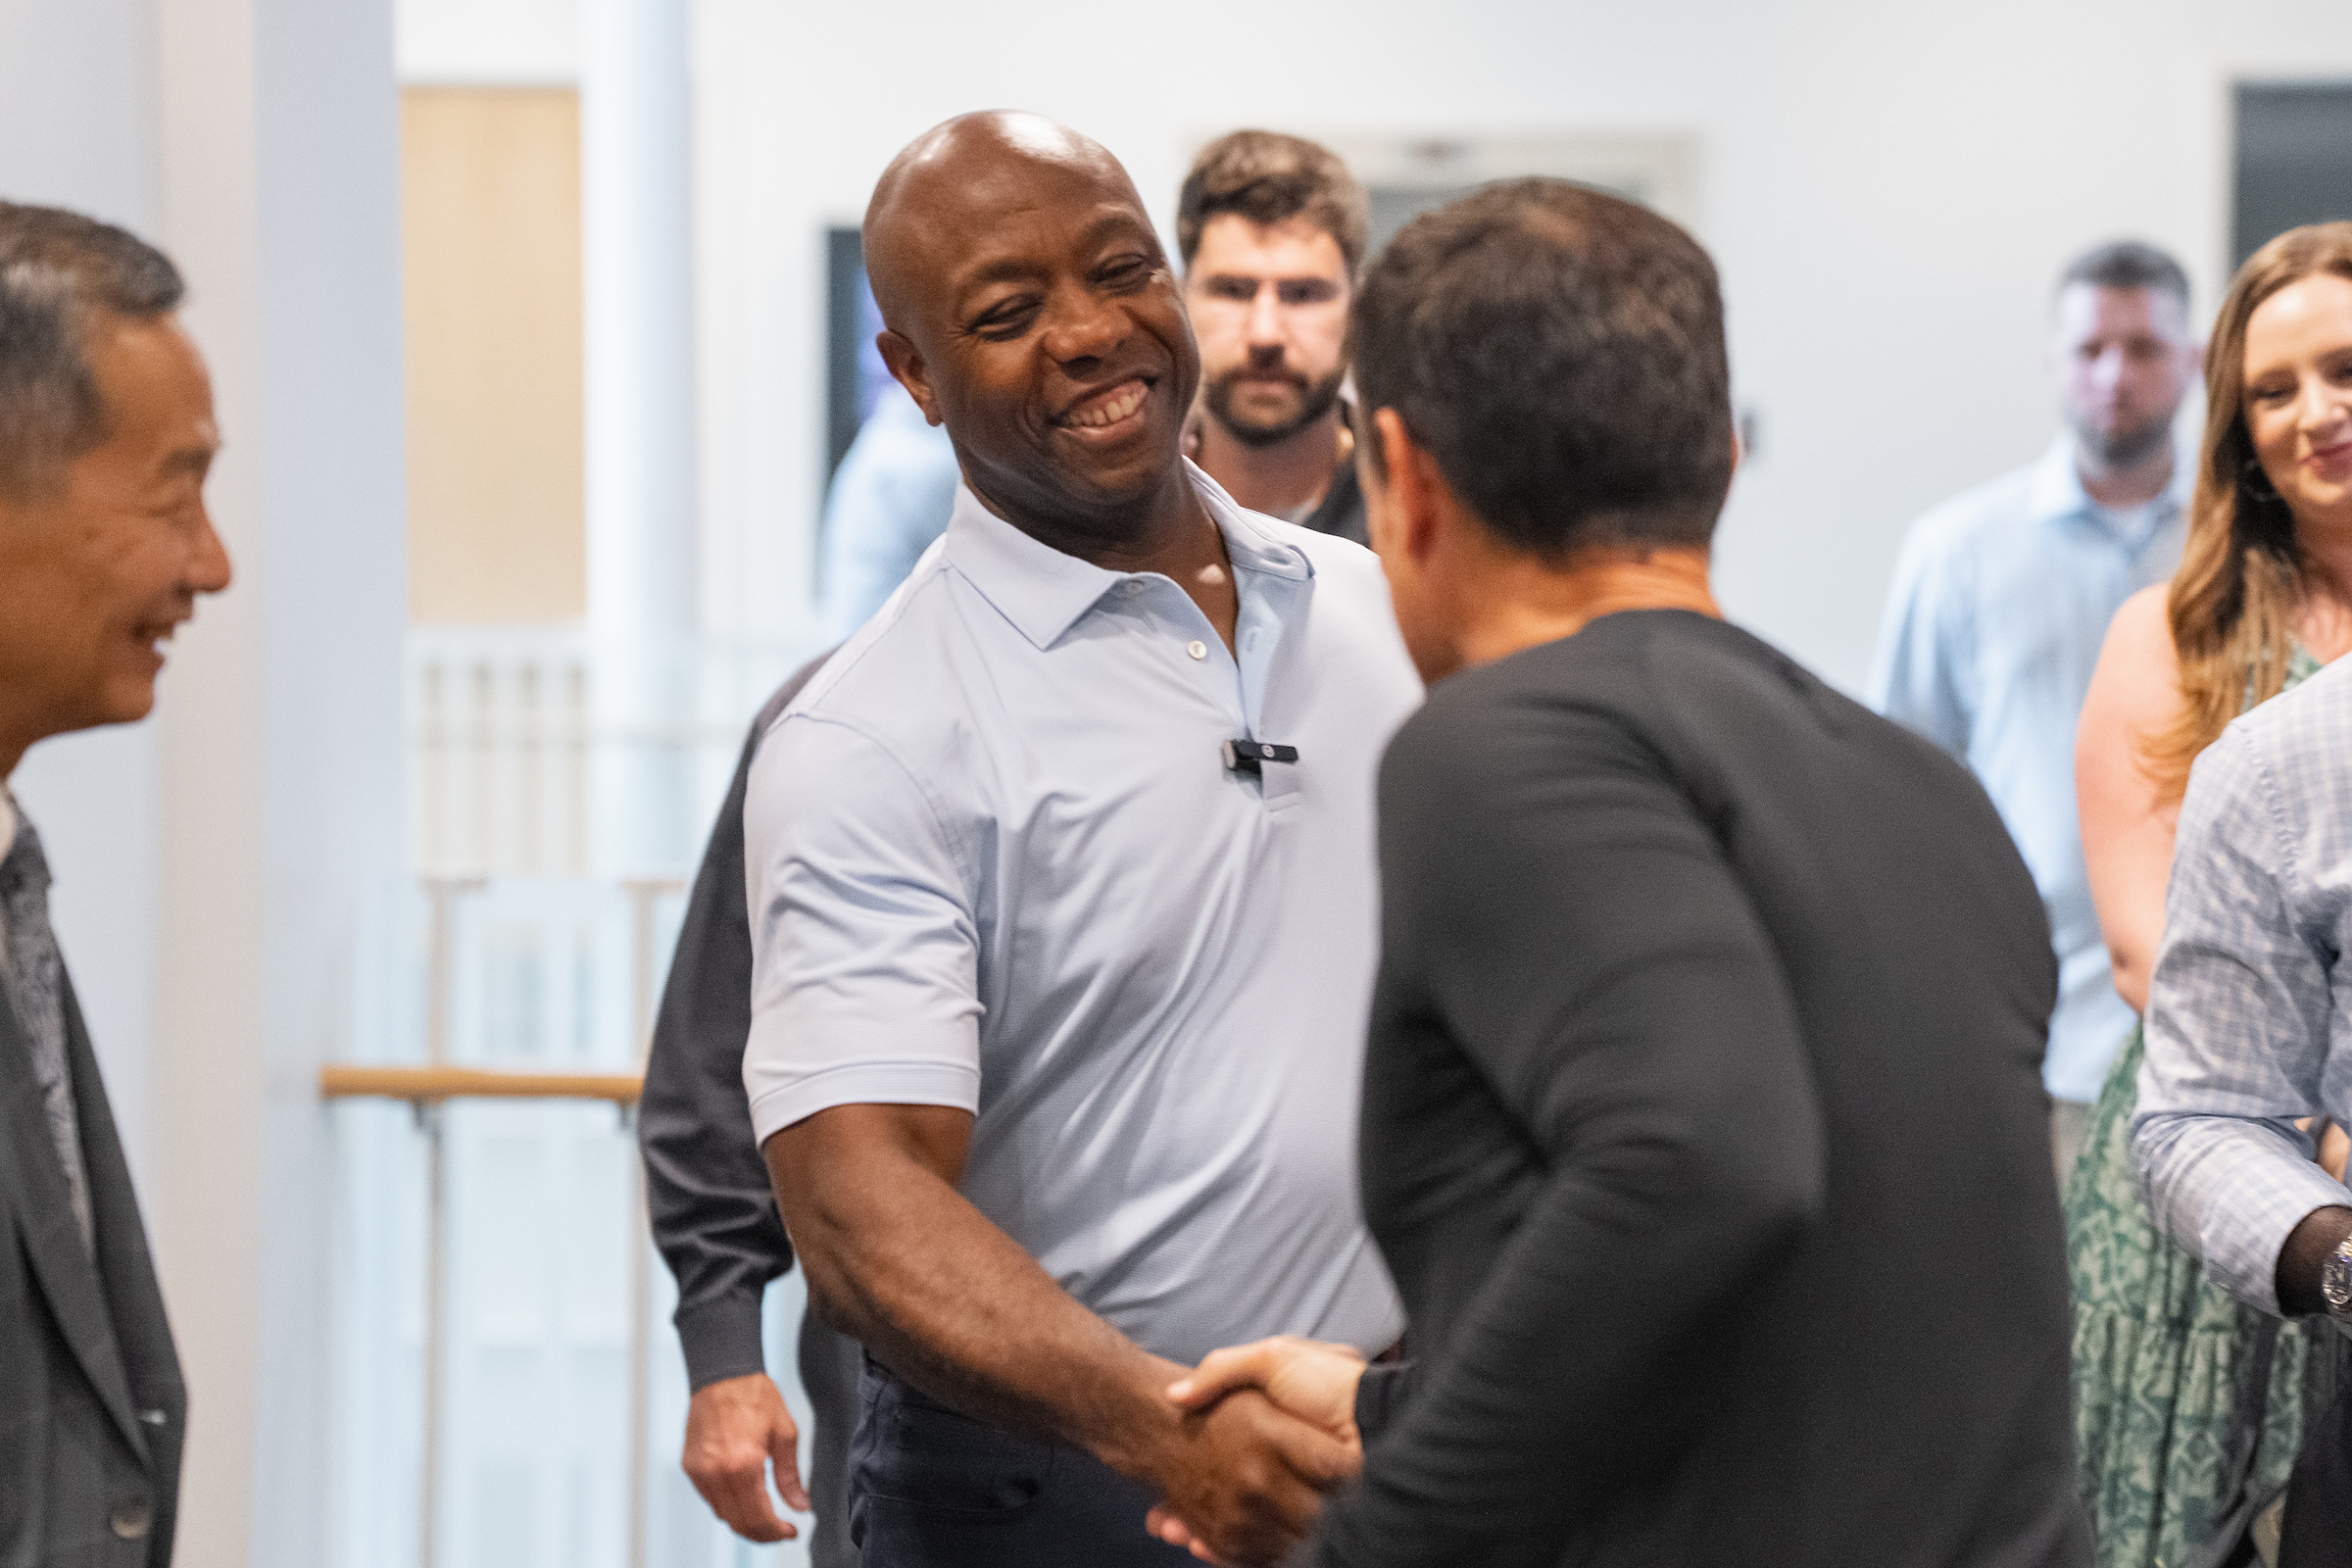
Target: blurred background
(538, 326)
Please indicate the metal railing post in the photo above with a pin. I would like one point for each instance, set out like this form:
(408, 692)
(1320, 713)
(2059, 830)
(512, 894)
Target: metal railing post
(427, 1089)
(442, 894)
(643, 893)
(641, 1370)
(430, 1122)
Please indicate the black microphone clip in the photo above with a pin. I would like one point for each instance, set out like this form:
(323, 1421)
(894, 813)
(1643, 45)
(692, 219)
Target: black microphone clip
(1251, 757)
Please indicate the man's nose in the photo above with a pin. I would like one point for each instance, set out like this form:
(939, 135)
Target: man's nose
(209, 570)
(1083, 328)
(1265, 313)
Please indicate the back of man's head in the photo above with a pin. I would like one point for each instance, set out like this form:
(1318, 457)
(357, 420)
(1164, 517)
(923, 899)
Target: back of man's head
(1268, 177)
(2127, 263)
(58, 273)
(1560, 354)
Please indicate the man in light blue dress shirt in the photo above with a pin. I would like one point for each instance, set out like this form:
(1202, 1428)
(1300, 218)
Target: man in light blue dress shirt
(1064, 913)
(2001, 601)
(890, 498)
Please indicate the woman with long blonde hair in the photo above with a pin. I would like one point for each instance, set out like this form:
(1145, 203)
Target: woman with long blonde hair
(2178, 1434)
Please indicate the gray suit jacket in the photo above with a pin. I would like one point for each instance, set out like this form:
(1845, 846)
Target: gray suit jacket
(92, 1410)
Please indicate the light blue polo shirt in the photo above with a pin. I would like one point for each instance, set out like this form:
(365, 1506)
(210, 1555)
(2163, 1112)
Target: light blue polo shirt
(996, 860)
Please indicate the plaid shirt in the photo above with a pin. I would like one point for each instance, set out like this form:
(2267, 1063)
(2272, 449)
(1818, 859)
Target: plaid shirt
(2249, 1027)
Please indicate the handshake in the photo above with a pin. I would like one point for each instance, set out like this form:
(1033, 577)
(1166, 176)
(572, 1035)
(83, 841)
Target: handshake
(1263, 1432)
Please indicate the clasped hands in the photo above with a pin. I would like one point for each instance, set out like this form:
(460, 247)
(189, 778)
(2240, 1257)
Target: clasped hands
(1269, 1429)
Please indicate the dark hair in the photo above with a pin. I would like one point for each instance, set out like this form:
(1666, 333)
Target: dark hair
(58, 270)
(1559, 352)
(2127, 263)
(1266, 176)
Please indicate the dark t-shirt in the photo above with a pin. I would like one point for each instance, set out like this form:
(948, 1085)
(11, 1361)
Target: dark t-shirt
(1340, 512)
(1703, 1130)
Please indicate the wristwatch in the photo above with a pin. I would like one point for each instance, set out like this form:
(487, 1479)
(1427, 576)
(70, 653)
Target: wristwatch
(2335, 1283)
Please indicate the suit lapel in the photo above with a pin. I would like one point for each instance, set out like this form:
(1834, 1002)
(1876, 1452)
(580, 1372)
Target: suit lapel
(134, 1299)
(51, 1241)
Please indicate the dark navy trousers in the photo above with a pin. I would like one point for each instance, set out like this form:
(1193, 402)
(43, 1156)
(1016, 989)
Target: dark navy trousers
(932, 1489)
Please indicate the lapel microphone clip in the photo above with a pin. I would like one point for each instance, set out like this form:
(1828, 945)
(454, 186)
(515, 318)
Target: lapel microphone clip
(1251, 757)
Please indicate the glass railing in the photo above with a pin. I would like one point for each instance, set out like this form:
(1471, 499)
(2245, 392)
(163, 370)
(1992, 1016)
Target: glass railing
(507, 1390)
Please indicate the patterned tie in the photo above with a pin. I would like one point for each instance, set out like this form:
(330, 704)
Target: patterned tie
(35, 977)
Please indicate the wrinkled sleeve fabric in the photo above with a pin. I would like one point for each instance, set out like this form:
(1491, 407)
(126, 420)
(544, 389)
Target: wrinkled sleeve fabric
(1379, 1393)
(1918, 675)
(1559, 920)
(2238, 1032)
(713, 1216)
(864, 947)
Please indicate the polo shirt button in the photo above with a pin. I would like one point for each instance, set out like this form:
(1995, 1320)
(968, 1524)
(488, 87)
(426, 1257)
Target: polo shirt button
(1197, 650)
(132, 1519)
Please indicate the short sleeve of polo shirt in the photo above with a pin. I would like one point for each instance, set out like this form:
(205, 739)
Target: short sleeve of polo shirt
(865, 952)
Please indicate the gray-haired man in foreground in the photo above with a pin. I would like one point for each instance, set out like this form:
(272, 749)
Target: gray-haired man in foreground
(106, 435)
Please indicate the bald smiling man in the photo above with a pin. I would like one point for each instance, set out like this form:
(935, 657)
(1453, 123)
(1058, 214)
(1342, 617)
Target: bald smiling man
(1064, 913)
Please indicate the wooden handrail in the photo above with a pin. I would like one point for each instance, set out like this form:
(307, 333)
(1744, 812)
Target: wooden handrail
(424, 1086)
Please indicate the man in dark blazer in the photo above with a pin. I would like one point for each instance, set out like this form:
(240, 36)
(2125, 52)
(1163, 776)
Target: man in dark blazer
(105, 436)
(715, 1219)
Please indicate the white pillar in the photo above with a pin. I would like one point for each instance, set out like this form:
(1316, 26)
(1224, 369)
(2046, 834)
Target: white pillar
(636, 175)
(280, 723)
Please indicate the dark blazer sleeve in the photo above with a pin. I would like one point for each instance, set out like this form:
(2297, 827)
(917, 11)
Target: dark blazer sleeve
(714, 1218)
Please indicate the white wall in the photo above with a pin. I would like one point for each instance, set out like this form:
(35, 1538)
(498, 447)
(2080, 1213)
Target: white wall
(506, 43)
(77, 90)
(1888, 189)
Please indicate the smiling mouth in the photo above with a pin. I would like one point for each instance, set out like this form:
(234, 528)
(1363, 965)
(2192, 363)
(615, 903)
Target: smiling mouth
(1107, 408)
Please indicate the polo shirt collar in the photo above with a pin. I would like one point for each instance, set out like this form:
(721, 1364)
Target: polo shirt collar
(1044, 591)
(2056, 492)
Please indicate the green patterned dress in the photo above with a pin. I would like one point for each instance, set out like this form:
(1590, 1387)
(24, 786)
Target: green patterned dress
(2157, 1351)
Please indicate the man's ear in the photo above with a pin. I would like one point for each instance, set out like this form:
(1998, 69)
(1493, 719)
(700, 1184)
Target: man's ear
(905, 363)
(1420, 491)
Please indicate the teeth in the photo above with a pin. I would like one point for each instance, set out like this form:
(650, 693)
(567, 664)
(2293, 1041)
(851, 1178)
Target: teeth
(1111, 413)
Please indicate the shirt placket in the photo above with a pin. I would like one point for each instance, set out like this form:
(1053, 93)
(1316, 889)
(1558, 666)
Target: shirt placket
(1237, 676)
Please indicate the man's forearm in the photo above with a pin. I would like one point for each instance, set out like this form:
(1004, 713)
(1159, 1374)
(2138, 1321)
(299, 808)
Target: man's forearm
(899, 1261)
(895, 1256)
(2246, 1197)
(2307, 1247)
